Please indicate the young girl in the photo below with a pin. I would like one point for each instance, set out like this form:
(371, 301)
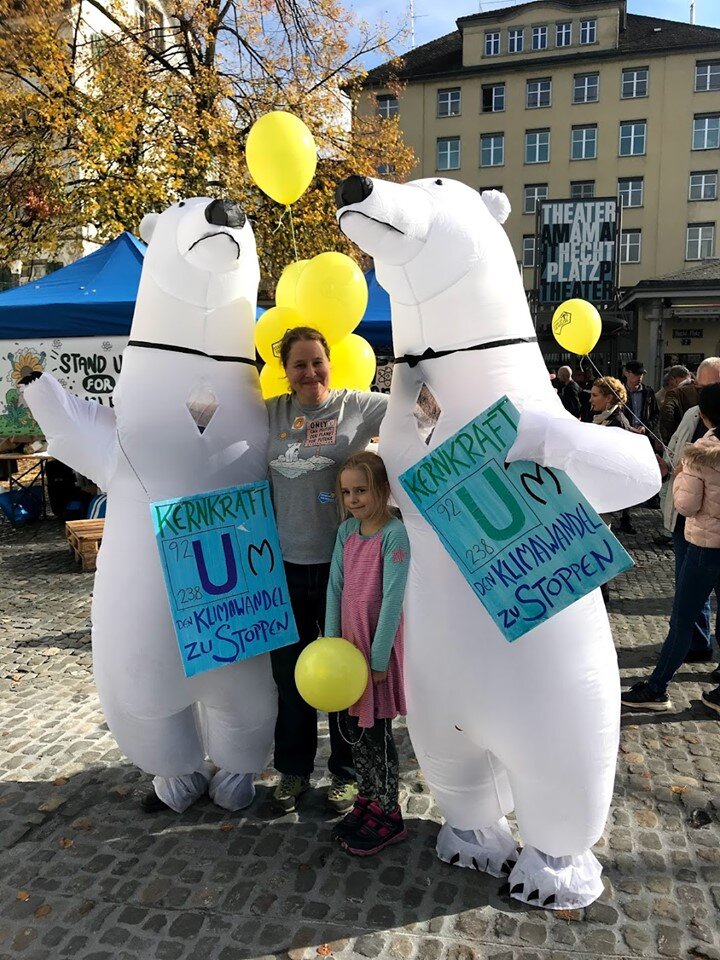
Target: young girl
(364, 604)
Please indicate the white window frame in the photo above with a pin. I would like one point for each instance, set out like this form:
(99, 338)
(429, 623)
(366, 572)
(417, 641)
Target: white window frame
(492, 43)
(563, 34)
(588, 31)
(582, 194)
(710, 131)
(498, 94)
(495, 144)
(630, 82)
(636, 137)
(630, 240)
(516, 40)
(540, 37)
(581, 136)
(538, 91)
(446, 96)
(709, 72)
(635, 194)
(585, 77)
(700, 235)
(537, 134)
(388, 106)
(529, 244)
(534, 193)
(447, 142)
(708, 182)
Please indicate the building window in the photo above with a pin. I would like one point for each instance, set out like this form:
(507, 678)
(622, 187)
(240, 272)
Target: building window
(706, 131)
(707, 75)
(98, 45)
(633, 135)
(493, 97)
(634, 83)
(516, 40)
(528, 250)
(448, 153)
(582, 189)
(703, 186)
(630, 246)
(388, 106)
(700, 241)
(584, 142)
(563, 34)
(539, 38)
(385, 169)
(588, 31)
(532, 195)
(448, 102)
(150, 23)
(492, 149)
(586, 87)
(538, 93)
(492, 44)
(537, 146)
(630, 191)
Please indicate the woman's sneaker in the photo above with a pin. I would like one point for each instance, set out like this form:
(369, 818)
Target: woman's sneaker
(642, 695)
(288, 790)
(711, 698)
(351, 821)
(378, 830)
(341, 794)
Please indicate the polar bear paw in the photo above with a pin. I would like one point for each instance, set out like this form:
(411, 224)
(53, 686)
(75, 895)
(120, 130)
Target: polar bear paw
(179, 793)
(556, 883)
(489, 850)
(232, 791)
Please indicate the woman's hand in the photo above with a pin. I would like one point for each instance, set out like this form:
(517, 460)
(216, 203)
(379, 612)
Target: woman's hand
(379, 676)
(664, 468)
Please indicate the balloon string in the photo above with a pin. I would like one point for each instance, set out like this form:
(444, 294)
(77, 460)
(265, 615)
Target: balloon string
(292, 232)
(629, 409)
(280, 221)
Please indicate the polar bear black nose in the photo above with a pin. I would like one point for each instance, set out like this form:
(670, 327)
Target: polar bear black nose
(225, 213)
(353, 190)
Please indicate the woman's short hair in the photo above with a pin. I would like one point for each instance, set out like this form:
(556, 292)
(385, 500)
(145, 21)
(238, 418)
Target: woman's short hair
(709, 403)
(295, 335)
(610, 386)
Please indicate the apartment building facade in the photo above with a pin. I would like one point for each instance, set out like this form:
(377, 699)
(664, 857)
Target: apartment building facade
(579, 99)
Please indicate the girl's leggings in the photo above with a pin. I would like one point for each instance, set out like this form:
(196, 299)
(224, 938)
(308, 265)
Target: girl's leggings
(375, 760)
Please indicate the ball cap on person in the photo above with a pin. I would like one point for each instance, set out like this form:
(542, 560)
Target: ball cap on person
(635, 366)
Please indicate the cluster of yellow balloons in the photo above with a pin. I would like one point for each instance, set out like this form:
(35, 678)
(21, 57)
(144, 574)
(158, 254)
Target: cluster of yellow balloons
(576, 325)
(331, 674)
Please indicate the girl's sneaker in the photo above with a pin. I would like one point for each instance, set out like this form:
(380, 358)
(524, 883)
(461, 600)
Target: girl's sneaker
(351, 821)
(377, 830)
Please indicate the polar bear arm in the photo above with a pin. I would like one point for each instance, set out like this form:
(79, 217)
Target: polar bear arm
(80, 433)
(613, 469)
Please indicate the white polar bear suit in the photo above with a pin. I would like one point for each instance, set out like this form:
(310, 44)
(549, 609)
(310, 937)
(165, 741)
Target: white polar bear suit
(192, 328)
(531, 725)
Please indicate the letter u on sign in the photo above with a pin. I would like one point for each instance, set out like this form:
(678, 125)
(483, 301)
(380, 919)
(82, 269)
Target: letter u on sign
(501, 491)
(215, 589)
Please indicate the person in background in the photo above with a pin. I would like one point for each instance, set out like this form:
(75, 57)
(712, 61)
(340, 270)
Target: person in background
(679, 400)
(642, 409)
(673, 377)
(568, 391)
(313, 429)
(696, 494)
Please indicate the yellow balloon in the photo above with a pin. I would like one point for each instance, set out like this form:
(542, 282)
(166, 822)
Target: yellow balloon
(332, 295)
(576, 325)
(331, 674)
(270, 329)
(281, 156)
(352, 364)
(286, 285)
(273, 381)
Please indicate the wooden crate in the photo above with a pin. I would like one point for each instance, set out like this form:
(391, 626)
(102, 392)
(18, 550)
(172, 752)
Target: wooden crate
(85, 537)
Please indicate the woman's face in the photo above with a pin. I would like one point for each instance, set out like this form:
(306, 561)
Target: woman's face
(308, 371)
(600, 401)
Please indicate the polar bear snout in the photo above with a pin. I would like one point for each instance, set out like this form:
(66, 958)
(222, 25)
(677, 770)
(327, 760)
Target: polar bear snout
(353, 190)
(225, 213)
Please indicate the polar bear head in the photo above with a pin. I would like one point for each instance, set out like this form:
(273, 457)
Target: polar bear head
(441, 253)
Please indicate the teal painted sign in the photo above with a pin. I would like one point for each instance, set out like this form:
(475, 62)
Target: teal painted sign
(224, 575)
(523, 536)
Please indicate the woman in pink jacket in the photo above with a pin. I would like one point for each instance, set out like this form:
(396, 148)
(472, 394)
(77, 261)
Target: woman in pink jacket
(696, 493)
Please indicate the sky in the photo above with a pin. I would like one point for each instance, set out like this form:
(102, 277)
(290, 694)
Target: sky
(433, 18)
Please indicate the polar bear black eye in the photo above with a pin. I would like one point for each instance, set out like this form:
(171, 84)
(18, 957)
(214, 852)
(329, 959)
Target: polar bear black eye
(439, 183)
(182, 203)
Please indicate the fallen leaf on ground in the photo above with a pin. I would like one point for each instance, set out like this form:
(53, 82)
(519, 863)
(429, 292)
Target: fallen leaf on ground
(66, 842)
(43, 910)
(22, 895)
(226, 826)
(59, 781)
(324, 950)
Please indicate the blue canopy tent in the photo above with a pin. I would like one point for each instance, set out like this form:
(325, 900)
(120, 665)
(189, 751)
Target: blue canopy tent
(94, 296)
(375, 324)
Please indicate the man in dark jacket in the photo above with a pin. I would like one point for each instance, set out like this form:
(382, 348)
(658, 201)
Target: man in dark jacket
(568, 391)
(681, 399)
(642, 409)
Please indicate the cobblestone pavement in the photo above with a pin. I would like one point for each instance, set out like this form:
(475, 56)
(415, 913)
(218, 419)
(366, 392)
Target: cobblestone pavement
(85, 874)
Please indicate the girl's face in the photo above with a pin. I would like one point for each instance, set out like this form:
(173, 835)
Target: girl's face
(357, 497)
(600, 401)
(308, 371)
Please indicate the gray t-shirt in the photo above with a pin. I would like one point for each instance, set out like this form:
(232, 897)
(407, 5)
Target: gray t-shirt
(308, 445)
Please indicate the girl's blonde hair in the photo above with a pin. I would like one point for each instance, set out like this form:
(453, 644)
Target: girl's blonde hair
(610, 387)
(376, 476)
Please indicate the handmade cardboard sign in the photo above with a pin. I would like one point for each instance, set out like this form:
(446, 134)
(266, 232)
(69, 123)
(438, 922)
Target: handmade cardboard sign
(523, 536)
(224, 575)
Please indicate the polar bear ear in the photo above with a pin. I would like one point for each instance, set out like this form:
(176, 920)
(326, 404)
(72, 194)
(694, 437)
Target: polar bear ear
(147, 226)
(498, 204)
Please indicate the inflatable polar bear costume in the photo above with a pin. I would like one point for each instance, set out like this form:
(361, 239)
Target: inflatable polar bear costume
(188, 418)
(533, 725)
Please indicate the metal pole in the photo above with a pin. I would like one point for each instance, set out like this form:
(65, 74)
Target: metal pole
(692, 11)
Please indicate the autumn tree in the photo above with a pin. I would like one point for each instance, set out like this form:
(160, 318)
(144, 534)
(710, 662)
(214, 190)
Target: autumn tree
(104, 116)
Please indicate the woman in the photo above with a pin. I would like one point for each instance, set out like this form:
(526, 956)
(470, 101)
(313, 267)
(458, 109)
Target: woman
(607, 399)
(313, 430)
(696, 493)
